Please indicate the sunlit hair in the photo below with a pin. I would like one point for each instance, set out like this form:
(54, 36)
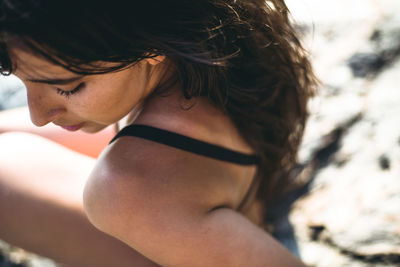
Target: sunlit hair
(242, 54)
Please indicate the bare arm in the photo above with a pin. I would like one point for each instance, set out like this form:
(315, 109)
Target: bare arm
(41, 209)
(221, 237)
(176, 217)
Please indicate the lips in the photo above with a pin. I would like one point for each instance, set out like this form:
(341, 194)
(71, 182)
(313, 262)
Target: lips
(73, 128)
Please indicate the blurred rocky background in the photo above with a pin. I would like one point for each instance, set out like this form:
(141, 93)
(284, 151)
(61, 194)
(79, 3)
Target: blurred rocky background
(345, 210)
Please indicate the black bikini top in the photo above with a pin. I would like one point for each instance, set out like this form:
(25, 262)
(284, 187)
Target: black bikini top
(187, 144)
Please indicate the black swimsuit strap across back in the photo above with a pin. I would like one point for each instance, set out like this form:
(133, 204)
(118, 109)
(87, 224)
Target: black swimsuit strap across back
(187, 144)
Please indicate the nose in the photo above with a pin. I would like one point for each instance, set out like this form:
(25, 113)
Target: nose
(41, 107)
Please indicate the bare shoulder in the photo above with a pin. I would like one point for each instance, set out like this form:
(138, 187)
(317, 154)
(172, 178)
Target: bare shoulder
(141, 184)
(172, 206)
(141, 175)
(135, 174)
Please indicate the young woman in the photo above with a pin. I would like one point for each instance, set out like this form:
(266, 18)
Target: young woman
(208, 98)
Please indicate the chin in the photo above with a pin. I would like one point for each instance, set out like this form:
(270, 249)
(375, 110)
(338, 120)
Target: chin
(93, 129)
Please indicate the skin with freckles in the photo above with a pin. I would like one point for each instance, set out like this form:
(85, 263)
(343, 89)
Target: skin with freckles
(229, 73)
(171, 207)
(100, 101)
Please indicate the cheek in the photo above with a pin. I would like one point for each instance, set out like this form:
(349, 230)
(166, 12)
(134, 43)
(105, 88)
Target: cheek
(99, 94)
(109, 102)
(109, 98)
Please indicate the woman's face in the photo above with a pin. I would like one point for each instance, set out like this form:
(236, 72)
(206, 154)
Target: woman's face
(88, 103)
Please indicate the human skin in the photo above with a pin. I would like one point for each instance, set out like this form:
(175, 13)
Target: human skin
(174, 207)
(102, 101)
(41, 203)
(184, 216)
(41, 185)
(17, 120)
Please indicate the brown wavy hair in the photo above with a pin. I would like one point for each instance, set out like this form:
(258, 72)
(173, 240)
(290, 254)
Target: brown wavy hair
(243, 54)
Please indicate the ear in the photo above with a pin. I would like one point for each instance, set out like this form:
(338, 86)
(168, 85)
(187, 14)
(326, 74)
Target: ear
(155, 60)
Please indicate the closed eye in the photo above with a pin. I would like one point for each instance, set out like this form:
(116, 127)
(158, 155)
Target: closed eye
(67, 94)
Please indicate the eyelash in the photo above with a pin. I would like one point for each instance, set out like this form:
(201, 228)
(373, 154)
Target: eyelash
(67, 94)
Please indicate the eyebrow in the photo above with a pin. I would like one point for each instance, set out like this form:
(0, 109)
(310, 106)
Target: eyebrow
(58, 81)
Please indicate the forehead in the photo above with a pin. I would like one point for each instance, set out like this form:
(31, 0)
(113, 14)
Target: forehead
(28, 65)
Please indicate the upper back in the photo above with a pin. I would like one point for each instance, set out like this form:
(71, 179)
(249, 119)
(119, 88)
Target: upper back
(203, 179)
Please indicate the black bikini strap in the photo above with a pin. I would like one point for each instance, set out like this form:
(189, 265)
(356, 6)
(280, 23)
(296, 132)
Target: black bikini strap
(186, 143)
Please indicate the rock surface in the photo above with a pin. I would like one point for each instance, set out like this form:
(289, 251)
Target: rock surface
(11, 256)
(349, 214)
(346, 211)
